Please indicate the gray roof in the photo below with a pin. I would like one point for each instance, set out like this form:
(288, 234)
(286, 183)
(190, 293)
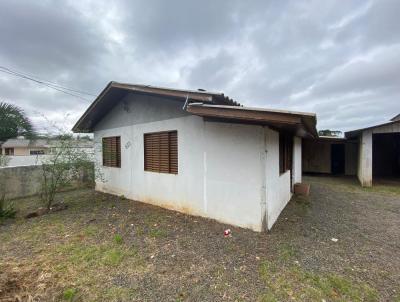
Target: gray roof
(115, 91)
(396, 118)
(16, 143)
(25, 143)
(357, 132)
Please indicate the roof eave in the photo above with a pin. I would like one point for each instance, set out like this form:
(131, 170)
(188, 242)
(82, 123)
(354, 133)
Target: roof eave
(305, 124)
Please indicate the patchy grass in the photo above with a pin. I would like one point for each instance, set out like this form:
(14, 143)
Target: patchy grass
(69, 294)
(294, 283)
(351, 184)
(108, 248)
(157, 233)
(118, 239)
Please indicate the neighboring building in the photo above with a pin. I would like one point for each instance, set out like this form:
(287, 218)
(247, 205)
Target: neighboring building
(27, 152)
(22, 146)
(330, 155)
(197, 152)
(372, 152)
(378, 151)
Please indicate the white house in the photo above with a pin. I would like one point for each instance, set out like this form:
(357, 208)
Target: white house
(197, 152)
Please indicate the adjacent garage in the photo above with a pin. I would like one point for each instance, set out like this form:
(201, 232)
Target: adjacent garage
(330, 155)
(378, 151)
(372, 153)
(386, 155)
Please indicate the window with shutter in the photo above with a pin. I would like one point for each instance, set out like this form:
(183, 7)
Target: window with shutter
(285, 152)
(112, 151)
(161, 152)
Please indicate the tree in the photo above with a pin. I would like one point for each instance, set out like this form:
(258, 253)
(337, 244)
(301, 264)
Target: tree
(65, 165)
(13, 122)
(327, 132)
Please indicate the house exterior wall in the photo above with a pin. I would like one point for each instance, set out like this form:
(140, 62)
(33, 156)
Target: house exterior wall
(21, 151)
(224, 171)
(278, 190)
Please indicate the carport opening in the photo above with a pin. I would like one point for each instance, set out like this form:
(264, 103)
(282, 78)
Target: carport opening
(386, 155)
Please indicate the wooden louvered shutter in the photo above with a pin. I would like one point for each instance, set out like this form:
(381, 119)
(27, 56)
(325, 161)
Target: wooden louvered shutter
(161, 152)
(112, 151)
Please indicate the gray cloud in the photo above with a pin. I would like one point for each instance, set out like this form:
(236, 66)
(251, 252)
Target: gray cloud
(339, 60)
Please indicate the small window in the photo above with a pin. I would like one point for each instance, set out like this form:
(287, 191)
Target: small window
(161, 152)
(112, 151)
(36, 152)
(9, 151)
(285, 152)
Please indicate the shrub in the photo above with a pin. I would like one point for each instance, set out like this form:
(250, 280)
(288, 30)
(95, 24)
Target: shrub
(118, 239)
(69, 294)
(6, 209)
(64, 166)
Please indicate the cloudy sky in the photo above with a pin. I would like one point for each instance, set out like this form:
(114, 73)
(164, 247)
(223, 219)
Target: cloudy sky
(340, 59)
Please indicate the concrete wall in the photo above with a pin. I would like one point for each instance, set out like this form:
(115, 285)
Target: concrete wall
(364, 169)
(25, 181)
(20, 181)
(223, 170)
(28, 160)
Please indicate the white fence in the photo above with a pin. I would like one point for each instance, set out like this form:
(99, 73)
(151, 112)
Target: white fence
(25, 160)
(30, 160)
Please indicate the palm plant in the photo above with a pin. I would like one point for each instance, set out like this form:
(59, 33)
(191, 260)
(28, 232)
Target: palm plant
(13, 122)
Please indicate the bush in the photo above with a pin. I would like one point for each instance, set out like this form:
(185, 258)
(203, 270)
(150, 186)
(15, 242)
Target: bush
(69, 294)
(6, 209)
(64, 166)
(118, 239)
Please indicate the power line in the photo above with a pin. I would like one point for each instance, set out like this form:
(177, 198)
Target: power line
(47, 85)
(36, 78)
(66, 90)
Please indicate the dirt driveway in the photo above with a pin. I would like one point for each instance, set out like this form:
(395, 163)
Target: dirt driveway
(105, 248)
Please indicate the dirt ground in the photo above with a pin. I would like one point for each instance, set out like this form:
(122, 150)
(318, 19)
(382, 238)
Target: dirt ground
(107, 248)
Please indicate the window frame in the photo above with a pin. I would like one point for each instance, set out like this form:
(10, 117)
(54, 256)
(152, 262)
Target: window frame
(285, 152)
(107, 162)
(36, 152)
(7, 151)
(156, 142)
